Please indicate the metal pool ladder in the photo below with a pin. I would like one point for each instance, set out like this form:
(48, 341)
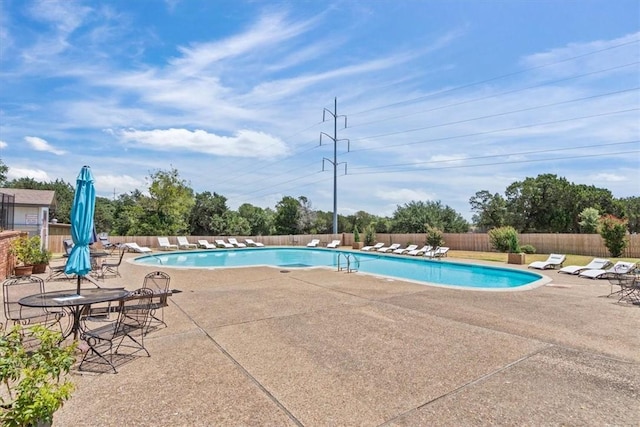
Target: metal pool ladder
(351, 260)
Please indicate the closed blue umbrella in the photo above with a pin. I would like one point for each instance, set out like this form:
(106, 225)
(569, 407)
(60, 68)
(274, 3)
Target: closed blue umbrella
(84, 202)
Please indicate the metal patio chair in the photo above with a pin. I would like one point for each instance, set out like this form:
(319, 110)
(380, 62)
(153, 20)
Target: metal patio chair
(19, 287)
(127, 332)
(158, 282)
(111, 268)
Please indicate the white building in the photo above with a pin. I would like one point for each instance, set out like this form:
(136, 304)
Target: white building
(31, 210)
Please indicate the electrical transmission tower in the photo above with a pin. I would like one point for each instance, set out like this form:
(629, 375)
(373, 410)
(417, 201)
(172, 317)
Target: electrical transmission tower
(334, 162)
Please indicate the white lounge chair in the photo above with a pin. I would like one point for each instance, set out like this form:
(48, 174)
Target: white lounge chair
(250, 242)
(389, 248)
(183, 243)
(554, 260)
(203, 243)
(438, 252)
(419, 252)
(235, 242)
(595, 264)
(373, 248)
(163, 243)
(620, 267)
(333, 244)
(222, 244)
(313, 243)
(401, 251)
(133, 246)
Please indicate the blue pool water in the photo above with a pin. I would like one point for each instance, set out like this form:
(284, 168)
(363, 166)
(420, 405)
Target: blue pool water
(418, 269)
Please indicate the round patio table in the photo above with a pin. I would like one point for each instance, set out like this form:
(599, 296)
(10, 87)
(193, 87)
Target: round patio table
(73, 302)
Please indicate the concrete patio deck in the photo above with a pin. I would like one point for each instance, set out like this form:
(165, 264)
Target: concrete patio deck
(274, 347)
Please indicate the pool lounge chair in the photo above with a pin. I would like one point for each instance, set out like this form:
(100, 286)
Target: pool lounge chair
(183, 243)
(419, 252)
(313, 243)
(235, 243)
(333, 244)
(389, 248)
(401, 251)
(373, 248)
(439, 252)
(133, 246)
(163, 243)
(595, 264)
(554, 260)
(203, 243)
(250, 242)
(222, 244)
(620, 267)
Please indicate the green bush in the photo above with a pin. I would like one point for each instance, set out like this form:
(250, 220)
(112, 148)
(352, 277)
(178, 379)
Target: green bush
(370, 236)
(356, 234)
(434, 237)
(33, 368)
(614, 232)
(528, 249)
(504, 239)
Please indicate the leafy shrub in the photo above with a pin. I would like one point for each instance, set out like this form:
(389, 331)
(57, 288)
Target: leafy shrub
(614, 232)
(434, 237)
(369, 236)
(33, 368)
(528, 249)
(589, 218)
(504, 239)
(356, 234)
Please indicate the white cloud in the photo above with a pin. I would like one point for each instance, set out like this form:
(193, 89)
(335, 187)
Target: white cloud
(108, 184)
(245, 143)
(40, 144)
(608, 177)
(37, 174)
(403, 195)
(3, 144)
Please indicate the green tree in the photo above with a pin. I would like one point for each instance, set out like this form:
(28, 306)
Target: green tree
(287, 217)
(490, 210)
(207, 217)
(538, 204)
(236, 225)
(169, 203)
(614, 233)
(414, 216)
(128, 214)
(323, 223)
(549, 204)
(306, 217)
(589, 218)
(630, 208)
(259, 219)
(3, 174)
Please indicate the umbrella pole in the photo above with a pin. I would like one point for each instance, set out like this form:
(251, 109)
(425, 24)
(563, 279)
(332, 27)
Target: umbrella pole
(79, 282)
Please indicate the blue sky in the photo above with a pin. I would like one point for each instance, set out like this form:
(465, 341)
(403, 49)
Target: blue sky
(442, 98)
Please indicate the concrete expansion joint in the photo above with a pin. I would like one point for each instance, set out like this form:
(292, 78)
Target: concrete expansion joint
(468, 384)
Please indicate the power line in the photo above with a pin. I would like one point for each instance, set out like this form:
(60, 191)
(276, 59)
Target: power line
(504, 113)
(509, 92)
(550, 150)
(499, 163)
(424, 141)
(496, 78)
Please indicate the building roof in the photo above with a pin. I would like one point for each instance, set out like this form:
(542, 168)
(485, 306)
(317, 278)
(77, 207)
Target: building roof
(31, 197)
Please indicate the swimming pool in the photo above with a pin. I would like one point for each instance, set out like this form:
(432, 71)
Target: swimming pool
(415, 269)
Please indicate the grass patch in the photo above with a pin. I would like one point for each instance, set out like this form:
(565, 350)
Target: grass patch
(502, 257)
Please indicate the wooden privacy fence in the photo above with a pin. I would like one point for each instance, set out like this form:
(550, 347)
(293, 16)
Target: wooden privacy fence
(576, 244)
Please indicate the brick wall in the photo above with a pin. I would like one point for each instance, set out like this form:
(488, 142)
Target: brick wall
(7, 261)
